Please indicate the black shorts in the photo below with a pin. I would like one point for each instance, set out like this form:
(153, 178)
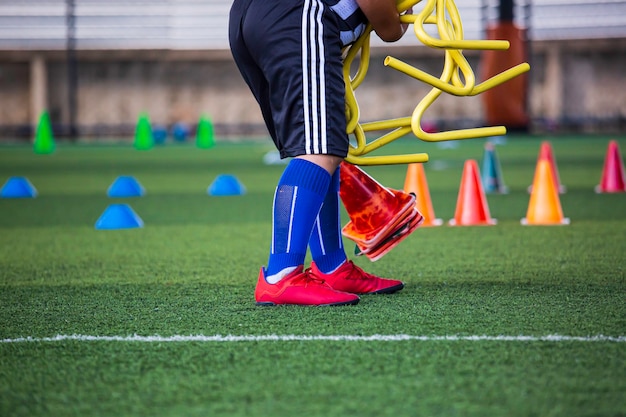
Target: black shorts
(290, 55)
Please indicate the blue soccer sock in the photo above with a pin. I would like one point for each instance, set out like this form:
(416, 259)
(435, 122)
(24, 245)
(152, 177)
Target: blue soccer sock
(326, 241)
(297, 201)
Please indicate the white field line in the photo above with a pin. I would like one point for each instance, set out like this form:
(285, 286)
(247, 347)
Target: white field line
(307, 338)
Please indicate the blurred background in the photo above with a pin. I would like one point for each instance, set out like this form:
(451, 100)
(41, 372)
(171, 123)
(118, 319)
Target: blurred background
(96, 65)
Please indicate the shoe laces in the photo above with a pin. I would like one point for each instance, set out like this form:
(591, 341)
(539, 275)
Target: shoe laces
(308, 277)
(357, 273)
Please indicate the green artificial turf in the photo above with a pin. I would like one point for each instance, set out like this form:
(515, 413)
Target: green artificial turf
(192, 268)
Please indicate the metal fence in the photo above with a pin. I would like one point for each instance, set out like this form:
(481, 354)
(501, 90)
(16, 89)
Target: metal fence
(202, 24)
(143, 28)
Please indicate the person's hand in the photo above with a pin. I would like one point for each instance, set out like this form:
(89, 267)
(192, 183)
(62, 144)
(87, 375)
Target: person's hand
(405, 26)
(384, 17)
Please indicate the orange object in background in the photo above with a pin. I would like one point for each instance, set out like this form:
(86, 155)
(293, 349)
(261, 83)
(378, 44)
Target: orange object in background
(506, 104)
(471, 205)
(544, 208)
(417, 184)
(546, 153)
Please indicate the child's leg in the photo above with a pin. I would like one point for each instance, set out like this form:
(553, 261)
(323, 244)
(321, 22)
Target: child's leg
(297, 201)
(329, 257)
(326, 241)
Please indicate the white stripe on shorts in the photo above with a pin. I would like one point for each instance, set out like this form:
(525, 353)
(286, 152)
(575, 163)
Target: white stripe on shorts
(313, 79)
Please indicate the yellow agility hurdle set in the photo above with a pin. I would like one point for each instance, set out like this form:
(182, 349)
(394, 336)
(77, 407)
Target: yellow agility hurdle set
(457, 78)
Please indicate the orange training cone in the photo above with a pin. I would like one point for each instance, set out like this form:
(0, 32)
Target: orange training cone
(545, 152)
(471, 205)
(373, 209)
(416, 183)
(544, 208)
(613, 171)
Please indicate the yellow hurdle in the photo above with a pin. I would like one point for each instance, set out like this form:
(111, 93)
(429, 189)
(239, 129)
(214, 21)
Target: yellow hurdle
(452, 43)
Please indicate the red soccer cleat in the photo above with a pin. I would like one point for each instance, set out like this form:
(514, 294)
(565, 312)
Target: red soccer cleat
(350, 278)
(300, 288)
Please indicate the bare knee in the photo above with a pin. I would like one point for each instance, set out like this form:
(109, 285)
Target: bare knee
(328, 162)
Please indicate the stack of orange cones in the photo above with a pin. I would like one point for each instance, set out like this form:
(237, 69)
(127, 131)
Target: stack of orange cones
(613, 172)
(380, 217)
(415, 183)
(545, 153)
(544, 208)
(471, 206)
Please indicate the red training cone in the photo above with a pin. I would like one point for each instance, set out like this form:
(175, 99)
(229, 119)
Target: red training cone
(471, 206)
(380, 217)
(374, 253)
(613, 171)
